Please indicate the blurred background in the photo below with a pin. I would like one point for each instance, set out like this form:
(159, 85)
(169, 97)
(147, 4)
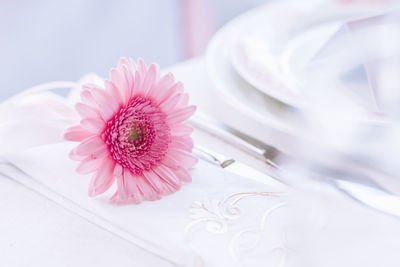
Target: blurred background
(43, 40)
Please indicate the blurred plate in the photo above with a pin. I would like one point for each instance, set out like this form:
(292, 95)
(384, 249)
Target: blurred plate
(263, 116)
(272, 58)
(267, 93)
(257, 46)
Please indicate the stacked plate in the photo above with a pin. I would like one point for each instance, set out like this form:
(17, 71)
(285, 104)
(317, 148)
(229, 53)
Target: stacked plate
(270, 63)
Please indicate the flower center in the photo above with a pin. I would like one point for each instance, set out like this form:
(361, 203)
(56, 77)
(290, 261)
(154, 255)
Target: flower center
(134, 136)
(138, 135)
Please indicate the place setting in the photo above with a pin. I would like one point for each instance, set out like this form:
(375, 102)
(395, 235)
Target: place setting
(277, 147)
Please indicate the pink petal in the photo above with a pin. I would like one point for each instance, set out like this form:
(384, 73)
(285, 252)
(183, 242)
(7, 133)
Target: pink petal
(118, 79)
(106, 112)
(100, 153)
(185, 142)
(178, 144)
(104, 99)
(168, 93)
(133, 65)
(178, 87)
(93, 125)
(186, 159)
(88, 165)
(170, 162)
(154, 180)
(137, 89)
(90, 145)
(74, 156)
(130, 81)
(164, 84)
(147, 190)
(86, 111)
(180, 115)
(76, 134)
(180, 129)
(168, 176)
(183, 175)
(113, 91)
(170, 103)
(118, 171)
(156, 69)
(130, 182)
(87, 98)
(183, 101)
(149, 79)
(141, 66)
(121, 191)
(123, 62)
(103, 178)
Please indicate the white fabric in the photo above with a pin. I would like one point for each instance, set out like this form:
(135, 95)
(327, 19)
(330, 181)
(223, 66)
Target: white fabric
(219, 219)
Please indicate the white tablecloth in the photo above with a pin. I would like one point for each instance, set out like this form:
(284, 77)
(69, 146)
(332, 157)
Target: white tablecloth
(219, 219)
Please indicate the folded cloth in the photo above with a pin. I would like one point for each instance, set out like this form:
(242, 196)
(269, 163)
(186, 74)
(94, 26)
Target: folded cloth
(157, 226)
(38, 232)
(219, 219)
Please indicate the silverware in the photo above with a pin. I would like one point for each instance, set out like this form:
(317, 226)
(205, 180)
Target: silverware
(346, 179)
(249, 145)
(233, 166)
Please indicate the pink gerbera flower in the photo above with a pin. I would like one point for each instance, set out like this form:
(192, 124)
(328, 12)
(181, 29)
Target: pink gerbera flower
(134, 132)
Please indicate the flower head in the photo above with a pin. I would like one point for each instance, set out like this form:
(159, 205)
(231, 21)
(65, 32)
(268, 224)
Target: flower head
(133, 132)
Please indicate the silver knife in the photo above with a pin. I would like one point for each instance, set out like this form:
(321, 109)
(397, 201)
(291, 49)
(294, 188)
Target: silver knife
(234, 166)
(356, 186)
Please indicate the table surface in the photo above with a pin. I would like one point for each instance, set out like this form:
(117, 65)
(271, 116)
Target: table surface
(48, 234)
(36, 231)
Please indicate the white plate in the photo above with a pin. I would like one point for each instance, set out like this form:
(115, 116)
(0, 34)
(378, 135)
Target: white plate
(265, 117)
(271, 47)
(270, 111)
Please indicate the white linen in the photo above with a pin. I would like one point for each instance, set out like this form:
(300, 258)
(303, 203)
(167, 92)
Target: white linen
(219, 219)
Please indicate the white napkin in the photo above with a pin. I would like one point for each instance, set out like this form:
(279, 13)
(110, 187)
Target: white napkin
(220, 219)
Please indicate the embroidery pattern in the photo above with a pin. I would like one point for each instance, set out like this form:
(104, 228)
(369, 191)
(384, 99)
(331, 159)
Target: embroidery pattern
(216, 216)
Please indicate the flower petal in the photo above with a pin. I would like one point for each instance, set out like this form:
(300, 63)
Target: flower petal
(168, 93)
(178, 144)
(89, 165)
(104, 99)
(74, 156)
(185, 142)
(186, 159)
(89, 146)
(183, 101)
(141, 66)
(164, 84)
(123, 62)
(147, 190)
(170, 162)
(93, 125)
(103, 178)
(113, 91)
(181, 129)
(183, 175)
(86, 111)
(149, 79)
(87, 98)
(154, 68)
(137, 89)
(131, 188)
(168, 176)
(121, 191)
(154, 180)
(130, 81)
(170, 103)
(180, 115)
(76, 134)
